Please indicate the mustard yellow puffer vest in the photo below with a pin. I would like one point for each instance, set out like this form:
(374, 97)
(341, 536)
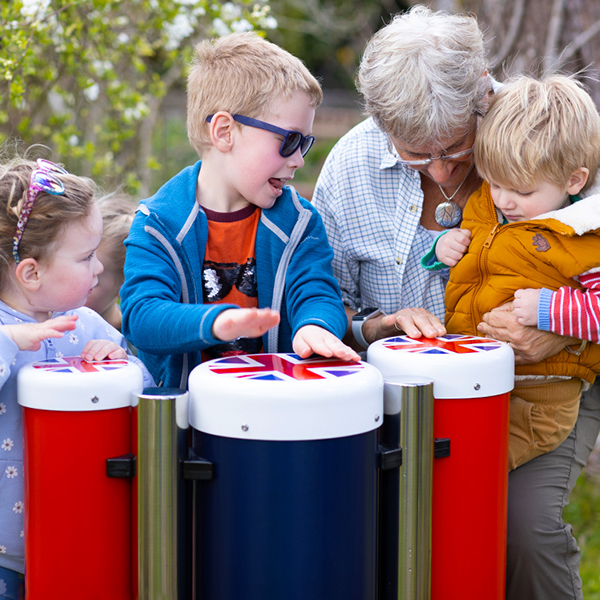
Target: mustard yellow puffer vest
(501, 259)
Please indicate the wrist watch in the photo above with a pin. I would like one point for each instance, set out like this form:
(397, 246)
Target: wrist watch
(357, 322)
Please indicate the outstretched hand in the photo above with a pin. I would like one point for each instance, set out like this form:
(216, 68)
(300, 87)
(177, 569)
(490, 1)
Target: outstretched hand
(244, 322)
(312, 339)
(29, 336)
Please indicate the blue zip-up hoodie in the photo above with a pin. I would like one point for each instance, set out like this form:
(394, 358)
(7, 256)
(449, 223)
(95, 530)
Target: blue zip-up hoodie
(161, 299)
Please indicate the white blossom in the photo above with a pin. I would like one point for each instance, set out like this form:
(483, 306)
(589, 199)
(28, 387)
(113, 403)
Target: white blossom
(35, 8)
(241, 26)
(220, 27)
(92, 92)
(230, 11)
(181, 28)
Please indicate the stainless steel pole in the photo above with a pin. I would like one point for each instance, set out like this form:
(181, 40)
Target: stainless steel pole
(162, 498)
(405, 494)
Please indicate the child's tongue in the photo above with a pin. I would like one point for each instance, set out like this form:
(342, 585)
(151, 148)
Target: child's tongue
(276, 183)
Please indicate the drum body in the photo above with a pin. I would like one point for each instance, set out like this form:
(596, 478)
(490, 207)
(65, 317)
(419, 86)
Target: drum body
(472, 379)
(291, 511)
(77, 415)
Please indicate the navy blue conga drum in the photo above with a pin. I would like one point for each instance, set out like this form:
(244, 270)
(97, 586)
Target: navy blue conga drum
(291, 510)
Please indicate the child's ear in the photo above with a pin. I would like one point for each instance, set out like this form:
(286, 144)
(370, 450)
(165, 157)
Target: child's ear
(221, 128)
(577, 180)
(28, 274)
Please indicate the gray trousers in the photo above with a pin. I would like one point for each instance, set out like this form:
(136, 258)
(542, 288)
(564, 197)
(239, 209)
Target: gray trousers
(543, 556)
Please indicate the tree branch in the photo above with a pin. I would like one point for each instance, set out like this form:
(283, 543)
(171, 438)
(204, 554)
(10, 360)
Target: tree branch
(554, 30)
(511, 35)
(577, 43)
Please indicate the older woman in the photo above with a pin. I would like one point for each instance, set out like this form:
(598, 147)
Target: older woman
(392, 184)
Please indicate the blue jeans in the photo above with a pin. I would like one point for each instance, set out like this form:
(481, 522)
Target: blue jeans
(12, 584)
(543, 557)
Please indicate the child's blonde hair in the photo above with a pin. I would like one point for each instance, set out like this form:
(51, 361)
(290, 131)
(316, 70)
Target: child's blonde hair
(241, 74)
(49, 216)
(117, 211)
(538, 129)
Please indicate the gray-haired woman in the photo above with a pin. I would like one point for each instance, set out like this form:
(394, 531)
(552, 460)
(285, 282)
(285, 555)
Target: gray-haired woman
(387, 188)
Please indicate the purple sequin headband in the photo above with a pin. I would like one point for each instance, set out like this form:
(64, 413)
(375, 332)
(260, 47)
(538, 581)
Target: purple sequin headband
(42, 180)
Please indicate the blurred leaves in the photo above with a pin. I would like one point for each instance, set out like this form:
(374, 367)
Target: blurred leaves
(87, 77)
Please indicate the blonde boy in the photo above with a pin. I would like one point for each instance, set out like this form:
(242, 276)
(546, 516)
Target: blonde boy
(226, 258)
(527, 237)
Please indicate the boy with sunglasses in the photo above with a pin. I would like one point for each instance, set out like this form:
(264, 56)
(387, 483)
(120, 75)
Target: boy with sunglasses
(226, 258)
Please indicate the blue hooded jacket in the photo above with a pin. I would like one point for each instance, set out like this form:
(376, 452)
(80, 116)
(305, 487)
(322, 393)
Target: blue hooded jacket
(161, 299)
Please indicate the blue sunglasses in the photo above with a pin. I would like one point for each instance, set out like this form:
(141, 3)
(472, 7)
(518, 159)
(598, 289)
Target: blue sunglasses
(292, 140)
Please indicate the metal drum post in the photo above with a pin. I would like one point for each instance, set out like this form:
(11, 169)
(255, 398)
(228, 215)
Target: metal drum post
(162, 499)
(405, 493)
(472, 379)
(78, 469)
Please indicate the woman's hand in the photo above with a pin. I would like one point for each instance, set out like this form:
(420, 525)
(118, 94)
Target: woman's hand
(530, 345)
(413, 322)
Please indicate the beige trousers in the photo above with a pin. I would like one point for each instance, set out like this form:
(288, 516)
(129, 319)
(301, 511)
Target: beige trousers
(541, 417)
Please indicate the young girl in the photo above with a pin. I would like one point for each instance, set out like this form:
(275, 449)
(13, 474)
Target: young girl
(50, 229)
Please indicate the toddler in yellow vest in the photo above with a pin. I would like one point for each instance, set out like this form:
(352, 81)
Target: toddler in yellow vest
(531, 236)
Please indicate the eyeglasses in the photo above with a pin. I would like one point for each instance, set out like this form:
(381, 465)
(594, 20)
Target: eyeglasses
(41, 180)
(427, 161)
(292, 140)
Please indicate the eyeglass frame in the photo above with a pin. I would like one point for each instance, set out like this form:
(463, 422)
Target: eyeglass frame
(46, 169)
(286, 133)
(428, 161)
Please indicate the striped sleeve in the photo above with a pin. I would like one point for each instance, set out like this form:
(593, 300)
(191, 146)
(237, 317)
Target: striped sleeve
(576, 313)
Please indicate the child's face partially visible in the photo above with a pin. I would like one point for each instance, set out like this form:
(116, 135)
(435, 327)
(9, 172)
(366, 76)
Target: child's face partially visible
(71, 272)
(527, 202)
(106, 293)
(258, 172)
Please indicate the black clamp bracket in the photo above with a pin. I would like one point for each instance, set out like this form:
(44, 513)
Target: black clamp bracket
(197, 469)
(121, 466)
(391, 458)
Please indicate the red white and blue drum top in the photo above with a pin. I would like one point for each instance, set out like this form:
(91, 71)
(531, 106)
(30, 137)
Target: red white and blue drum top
(69, 383)
(461, 366)
(285, 397)
(75, 364)
(447, 344)
(283, 367)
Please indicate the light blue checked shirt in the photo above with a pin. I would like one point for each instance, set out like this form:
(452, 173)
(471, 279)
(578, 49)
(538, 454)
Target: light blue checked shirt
(371, 207)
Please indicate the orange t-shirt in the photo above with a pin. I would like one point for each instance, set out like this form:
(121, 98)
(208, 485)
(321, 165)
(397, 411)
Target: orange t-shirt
(229, 270)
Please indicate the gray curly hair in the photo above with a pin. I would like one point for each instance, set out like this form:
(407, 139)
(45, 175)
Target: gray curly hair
(423, 75)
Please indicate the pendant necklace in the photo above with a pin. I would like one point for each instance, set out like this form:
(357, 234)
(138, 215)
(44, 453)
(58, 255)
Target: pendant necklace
(449, 214)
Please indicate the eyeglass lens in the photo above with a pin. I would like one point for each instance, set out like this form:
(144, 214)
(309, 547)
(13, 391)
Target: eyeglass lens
(295, 140)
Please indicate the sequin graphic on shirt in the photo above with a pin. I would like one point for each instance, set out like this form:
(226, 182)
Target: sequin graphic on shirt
(218, 279)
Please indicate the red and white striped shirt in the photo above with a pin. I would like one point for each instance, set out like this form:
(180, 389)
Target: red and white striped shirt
(576, 313)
